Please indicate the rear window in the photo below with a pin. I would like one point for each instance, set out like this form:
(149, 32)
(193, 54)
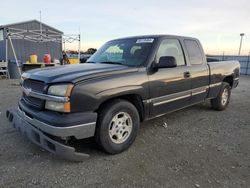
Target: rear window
(194, 52)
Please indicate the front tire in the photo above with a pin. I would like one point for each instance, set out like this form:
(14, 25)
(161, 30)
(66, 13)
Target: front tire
(222, 100)
(117, 126)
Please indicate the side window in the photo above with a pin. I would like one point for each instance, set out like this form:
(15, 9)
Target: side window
(194, 52)
(171, 47)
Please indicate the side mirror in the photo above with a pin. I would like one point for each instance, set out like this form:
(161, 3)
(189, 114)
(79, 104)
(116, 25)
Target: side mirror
(166, 62)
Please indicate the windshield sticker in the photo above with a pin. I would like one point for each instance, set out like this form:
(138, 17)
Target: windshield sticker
(146, 40)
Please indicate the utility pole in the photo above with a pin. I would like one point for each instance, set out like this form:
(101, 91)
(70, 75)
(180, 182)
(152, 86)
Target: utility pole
(41, 27)
(241, 37)
(79, 45)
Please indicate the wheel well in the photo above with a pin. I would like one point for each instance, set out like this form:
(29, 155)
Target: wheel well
(135, 99)
(229, 79)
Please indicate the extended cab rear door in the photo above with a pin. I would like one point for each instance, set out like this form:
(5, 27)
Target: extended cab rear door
(199, 70)
(170, 88)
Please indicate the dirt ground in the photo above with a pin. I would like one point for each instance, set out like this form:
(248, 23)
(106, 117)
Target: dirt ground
(199, 147)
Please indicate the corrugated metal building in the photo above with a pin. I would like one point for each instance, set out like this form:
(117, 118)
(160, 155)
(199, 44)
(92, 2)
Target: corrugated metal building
(24, 48)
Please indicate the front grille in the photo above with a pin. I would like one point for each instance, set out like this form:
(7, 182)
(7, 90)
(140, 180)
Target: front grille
(36, 86)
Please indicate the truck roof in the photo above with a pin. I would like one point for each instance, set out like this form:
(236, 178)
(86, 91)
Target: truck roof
(155, 36)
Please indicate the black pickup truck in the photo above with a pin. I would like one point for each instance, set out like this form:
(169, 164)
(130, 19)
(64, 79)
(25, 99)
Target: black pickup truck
(125, 82)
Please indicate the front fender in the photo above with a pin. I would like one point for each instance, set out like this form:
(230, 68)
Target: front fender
(91, 102)
(113, 92)
(88, 96)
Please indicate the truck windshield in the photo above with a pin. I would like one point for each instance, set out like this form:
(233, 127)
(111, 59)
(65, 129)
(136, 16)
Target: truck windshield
(129, 52)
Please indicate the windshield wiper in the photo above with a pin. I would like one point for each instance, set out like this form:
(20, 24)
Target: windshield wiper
(112, 62)
(90, 62)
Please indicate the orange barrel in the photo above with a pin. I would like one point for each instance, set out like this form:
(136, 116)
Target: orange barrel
(33, 58)
(47, 59)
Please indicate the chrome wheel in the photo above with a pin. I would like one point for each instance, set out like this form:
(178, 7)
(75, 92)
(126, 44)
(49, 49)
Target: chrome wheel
(120, 127)
(224, 97)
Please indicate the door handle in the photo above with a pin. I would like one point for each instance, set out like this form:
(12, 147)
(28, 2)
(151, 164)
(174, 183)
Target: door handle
(187, 74)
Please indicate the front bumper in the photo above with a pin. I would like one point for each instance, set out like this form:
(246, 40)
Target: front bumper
(38, 132)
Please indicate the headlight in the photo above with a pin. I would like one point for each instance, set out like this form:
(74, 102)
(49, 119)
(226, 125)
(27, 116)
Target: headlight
(58, 90)
(61, 91)
(55, 106)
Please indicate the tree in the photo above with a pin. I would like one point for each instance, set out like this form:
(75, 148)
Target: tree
(91, 50)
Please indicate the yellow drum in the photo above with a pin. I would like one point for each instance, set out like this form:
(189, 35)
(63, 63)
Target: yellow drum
(33, 58)
(73, 60)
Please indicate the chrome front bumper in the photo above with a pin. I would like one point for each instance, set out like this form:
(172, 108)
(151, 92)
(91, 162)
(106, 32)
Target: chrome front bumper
(36, 132)
(79, 131)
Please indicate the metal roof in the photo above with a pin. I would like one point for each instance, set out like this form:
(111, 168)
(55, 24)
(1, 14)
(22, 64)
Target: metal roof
(29, 21)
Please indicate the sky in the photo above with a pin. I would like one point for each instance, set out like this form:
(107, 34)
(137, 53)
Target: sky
(216, 23)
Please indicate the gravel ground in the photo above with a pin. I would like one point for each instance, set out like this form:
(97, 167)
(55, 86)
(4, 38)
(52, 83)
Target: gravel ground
(199, 147)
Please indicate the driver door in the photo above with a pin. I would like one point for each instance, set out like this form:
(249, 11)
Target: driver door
(170, 88)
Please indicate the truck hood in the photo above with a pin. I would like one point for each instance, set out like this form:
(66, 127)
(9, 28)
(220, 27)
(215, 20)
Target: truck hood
(76, 73)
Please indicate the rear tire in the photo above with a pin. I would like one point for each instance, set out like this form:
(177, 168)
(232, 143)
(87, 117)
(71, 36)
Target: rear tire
(117, 126)
(222, 100)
